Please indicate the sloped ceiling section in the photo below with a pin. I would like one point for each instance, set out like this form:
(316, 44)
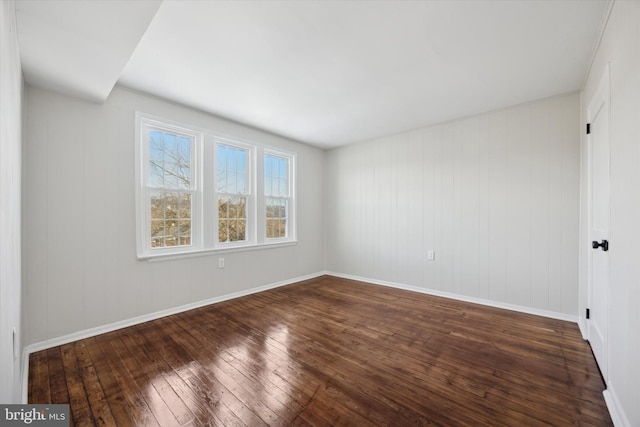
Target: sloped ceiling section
(325, 73)
(77, 47)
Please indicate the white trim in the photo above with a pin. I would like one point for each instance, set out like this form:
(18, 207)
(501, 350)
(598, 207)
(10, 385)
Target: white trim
(584, 329)
(88, 333)
(25, 375)
(458, 297)
(616, 411)
(231, 249)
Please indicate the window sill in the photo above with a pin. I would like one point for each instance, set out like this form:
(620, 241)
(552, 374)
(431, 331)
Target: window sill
(217, 251)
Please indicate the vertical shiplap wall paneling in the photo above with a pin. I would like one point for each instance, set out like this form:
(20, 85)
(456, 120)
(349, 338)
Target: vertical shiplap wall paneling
(425, 236)
(539, 198)
(36, 212)
(556, 164)
(497, 200)
(80, 264)
(414, 206)
(484, 235)
(470, 206)
(519, 206)
(435, 176)
(571, 203)
(447, 176)
(94, 166)
(65, 190)
(495, 196)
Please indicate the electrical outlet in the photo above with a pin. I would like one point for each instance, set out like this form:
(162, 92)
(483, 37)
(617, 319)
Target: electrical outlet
(220, 262)
(431, 255)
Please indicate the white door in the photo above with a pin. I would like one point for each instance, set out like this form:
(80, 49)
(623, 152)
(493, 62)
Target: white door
(598, 142)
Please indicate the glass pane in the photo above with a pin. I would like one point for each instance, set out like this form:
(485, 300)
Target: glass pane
(171, 205)
(156, 175)
(276, 218)
(231, 169)
(171, 235)
(223, 207)
(270, 223)
(231, 183)
(267, 166)
(242, 208)
(267, 185)
(169, 160)
(275, 176)
(223, 234)
(233, 207)
(233, 231)
(184, 162)
(184, 207)
(184, 231)
(157, 233)
(157, 205)
(270, 208)
(241, 230)
(170, 223)
(241, 182)
(282, 228)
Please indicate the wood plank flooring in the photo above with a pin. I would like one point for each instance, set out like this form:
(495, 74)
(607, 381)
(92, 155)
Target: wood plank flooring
(329, 351)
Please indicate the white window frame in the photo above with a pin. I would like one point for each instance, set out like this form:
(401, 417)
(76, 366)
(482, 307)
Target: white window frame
(145, 124)
(291, 199)
(204, 215)
(250, 229)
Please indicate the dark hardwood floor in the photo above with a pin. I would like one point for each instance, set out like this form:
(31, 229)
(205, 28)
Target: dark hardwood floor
(329, 351)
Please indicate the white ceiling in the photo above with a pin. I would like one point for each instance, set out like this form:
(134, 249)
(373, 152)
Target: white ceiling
(326, 73)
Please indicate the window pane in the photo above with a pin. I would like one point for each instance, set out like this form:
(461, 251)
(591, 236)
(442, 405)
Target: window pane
(157, 233)
(276, 218)
(276, 176)
(157, 205)
(170, 219)
(171, 233)
(231, 170)
(169, 160)
(232, 218)
(184, 232)
(184, 162)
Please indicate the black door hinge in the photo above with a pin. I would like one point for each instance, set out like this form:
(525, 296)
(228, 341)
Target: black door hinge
(588, 128)
(588, 313)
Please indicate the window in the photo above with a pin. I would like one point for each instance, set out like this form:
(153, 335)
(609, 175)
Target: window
(233, 192)
(277, 194)
(198, 191)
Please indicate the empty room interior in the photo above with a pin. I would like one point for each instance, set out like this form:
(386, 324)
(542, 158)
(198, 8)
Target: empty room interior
(321, 212)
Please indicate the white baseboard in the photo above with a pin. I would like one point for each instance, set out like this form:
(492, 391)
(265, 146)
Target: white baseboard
(87, 333)
(583, 328)
(616, 411)
(490, 303)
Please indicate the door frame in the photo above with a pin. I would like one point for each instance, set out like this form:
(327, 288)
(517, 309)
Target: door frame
(602, 95)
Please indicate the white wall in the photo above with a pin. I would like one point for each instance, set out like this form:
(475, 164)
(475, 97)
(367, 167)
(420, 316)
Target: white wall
(495, 195)
(620, 47)
(10, 183)
(81, 269)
